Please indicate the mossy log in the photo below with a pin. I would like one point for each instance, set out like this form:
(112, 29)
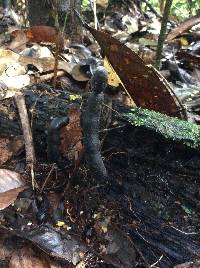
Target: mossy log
(44, 107)
(170, 128)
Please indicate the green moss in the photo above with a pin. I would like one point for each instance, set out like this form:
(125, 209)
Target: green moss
(169, 127)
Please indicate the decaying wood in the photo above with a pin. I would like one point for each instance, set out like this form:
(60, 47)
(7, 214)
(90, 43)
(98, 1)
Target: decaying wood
(42, 108)
(143, 133)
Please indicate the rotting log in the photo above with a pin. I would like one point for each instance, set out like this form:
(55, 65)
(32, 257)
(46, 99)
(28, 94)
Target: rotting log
(43, 108)
(170, 128)
(149, 141)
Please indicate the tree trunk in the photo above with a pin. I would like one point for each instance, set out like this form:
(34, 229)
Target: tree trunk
(38, 12)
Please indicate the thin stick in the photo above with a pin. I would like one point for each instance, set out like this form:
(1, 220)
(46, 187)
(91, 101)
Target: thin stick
(95, 14)
(57, 44)
(93, 5)
(28, 138)
(162, 34)
(47, 178)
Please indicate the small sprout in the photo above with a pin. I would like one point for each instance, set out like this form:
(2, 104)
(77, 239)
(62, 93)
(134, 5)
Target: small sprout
(74, 97)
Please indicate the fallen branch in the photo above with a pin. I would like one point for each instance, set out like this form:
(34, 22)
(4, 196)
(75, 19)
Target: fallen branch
(28, 139)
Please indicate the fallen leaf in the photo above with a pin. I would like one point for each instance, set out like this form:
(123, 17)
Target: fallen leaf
(145, 85)
(16, 144)
(49, 240)
(81, 264)
(71, 135)
(27, 258)
(113, 78)
(45, 34)
(14, 83)
(102, 3)
(19, 40)
(15, 69)
(46, 64)
(182, 27)
(5, 153)
(8, 197)
(7, 57)
(36, 34)
(11, 185)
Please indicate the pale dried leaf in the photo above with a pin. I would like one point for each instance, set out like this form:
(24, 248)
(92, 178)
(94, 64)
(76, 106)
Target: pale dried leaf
(14, 83)
(7, 198)
(78, 74)
(9, 180)
(15, 69)
(46, 64)
(8, 55)
(102, 3)
(11, 185)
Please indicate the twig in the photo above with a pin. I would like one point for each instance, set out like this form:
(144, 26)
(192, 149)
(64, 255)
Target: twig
(28, 139)
(56, 63)
(49, 76)
(93, 5)
(57, 45)
(152, 9)
(155, 263)
(162, 34)
(47, 178)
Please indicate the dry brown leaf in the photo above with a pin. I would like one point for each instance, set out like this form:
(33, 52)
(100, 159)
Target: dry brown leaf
(11, 185)
(113, 78)
(16, 144)
(193, 60)
(19, 40)
(115, 81)
(46, 64)
(45, 34)
(8, 197)
(182, 27)
(27, 258)
(102, 3)
(145, 85)
(36, 34)
(71, 135)
(5, 250)
(5, 153)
